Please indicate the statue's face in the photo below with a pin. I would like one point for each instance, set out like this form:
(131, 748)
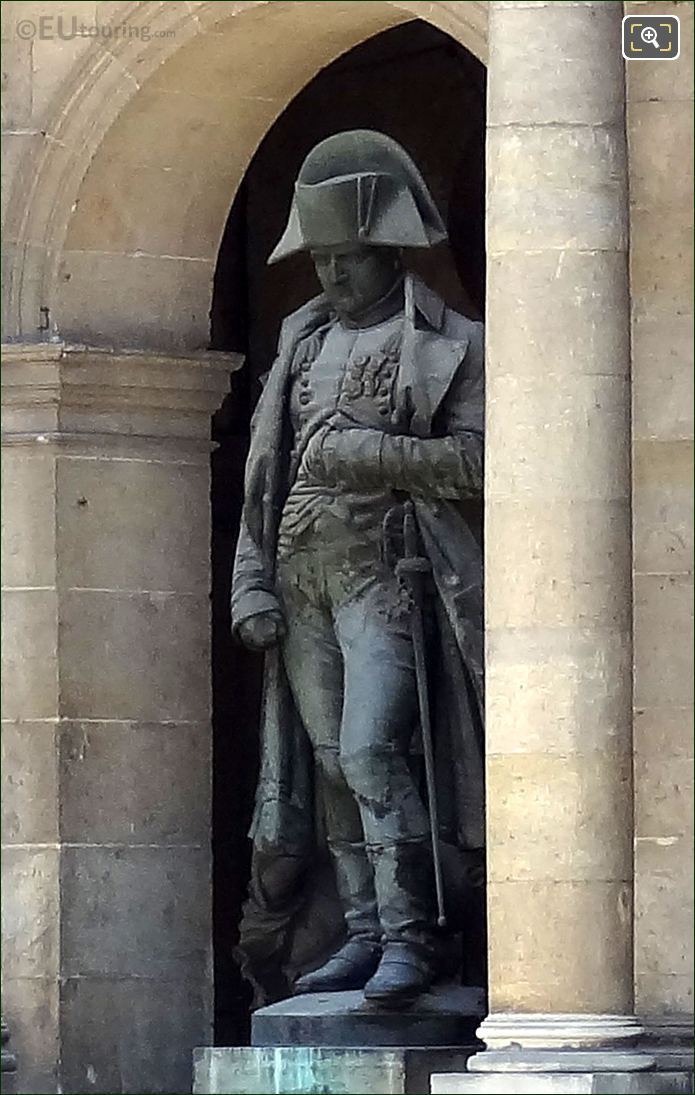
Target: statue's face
(354, 278)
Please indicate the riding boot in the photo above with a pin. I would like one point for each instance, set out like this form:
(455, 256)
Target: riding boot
(357, 959)
(404, 882)
(354, 876)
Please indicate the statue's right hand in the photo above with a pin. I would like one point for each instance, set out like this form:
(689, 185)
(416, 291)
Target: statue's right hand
(262, 630)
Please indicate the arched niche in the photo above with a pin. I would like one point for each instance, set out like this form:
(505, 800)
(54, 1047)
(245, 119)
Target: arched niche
(423, 88)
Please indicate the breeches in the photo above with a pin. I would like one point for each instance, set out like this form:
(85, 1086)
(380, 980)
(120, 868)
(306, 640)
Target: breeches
(349, 661)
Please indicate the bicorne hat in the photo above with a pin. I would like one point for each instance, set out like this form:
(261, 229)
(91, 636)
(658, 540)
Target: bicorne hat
(359, 187)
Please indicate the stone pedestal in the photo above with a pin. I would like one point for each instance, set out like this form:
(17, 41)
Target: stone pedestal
(335, 1042)
(315, 1070)
(106, 731)
(446, 1016)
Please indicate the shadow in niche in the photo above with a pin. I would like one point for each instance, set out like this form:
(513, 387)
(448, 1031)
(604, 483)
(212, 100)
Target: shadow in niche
(425, 90)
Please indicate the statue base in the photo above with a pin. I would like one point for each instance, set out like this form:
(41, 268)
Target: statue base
(446, 1016)
(335, 1042)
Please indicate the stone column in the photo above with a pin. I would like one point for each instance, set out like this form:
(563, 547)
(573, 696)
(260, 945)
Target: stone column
(106, 732)
(558, 567)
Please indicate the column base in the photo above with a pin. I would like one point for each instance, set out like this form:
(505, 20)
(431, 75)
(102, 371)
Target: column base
(669, 1039)
(526, 1043)
(554, 1083)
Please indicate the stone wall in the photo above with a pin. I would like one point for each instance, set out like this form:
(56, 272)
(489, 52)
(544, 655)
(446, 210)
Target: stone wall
(660, 138)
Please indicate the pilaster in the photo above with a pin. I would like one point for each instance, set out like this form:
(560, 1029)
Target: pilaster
(106, 729)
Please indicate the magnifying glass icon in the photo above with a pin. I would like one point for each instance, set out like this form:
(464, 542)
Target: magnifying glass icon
(648, 35)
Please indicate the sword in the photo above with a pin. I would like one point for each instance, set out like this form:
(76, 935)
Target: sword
(411, 570)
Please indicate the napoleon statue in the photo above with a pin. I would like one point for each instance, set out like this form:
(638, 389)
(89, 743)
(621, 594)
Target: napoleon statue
(359, 574)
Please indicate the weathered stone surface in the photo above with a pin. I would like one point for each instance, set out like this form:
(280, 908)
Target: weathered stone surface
(671, 82)
(576, 50)
(131, 1034)
(565, 582)
(446, 1016)
(35, 1033)
(663, 511)
(566, 430)
(662, 374)
(134, 524)
(28, 531)
(663, 729)
(29, 783)
(536, 971)
(663, 806)
(57, 49)
(664, 895)
(30, 912)
(663, 639)
(310, 1070)
(661, 261)
(535, 209)
(135, 912)
(158, 656)
(670, 991)
(576, 794)
(17, 80)
(163, 295)
(522, 288)
(660, 136)
(97, 806)
(607, 1083)
(15, 146)
(586, 699)
(29, 653)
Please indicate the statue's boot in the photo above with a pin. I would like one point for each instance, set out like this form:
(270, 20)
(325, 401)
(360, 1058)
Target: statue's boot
(349, 968)
(405, 972)
(404, 882)
(356, 961)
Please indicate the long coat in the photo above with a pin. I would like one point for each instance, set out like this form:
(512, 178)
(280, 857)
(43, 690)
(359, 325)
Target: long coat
(444, 377)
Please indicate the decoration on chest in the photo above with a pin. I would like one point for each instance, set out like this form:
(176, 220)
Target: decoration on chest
(371, 377)
(368, 386)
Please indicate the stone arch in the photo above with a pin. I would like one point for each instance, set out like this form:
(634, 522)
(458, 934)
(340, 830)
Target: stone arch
(116, 219)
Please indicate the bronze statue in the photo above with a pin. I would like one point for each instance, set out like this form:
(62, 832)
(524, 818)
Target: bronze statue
(359, 573)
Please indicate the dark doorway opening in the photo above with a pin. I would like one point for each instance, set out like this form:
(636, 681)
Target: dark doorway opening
(424, 89)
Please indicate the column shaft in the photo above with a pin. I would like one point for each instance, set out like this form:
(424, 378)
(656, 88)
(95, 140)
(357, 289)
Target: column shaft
(558, 514)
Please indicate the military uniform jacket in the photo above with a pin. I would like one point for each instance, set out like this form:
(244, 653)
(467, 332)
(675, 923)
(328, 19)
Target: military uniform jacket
(444, 375)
